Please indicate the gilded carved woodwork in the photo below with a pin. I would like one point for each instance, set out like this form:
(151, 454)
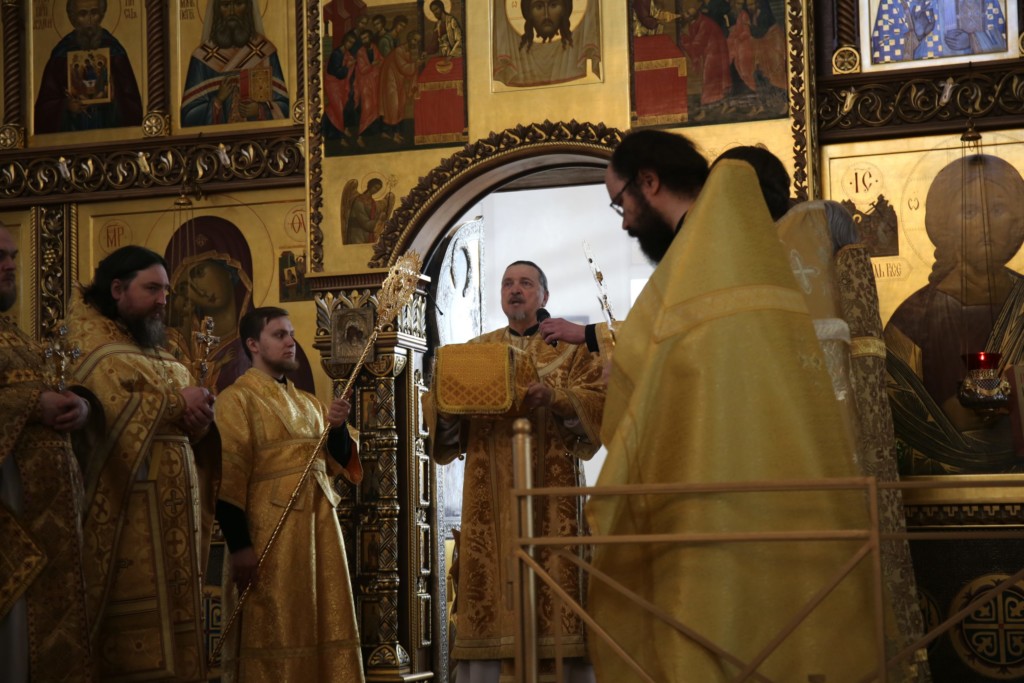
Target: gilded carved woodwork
(864, 107)
(800, 19)
(913, 101)
(312, 112)
(152, 167)
(55, 251)
(385, 400)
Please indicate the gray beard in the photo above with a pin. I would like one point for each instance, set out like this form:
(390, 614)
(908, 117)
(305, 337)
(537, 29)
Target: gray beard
(232, 33)
(89, 38)
(149, 333)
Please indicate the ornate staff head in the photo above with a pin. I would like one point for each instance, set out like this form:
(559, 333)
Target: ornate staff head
(59, 356)
(395, 292)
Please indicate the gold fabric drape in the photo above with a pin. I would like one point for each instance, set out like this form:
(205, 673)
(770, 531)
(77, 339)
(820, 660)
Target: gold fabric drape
(717, 376)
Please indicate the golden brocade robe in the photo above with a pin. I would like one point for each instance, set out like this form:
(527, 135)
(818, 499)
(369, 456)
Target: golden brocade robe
(41, 545)
(298, 623)
(485, 625)
(144, 540)
(718, 376)
(841, 295)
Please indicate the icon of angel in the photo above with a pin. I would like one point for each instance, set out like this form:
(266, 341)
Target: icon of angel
(363, 214)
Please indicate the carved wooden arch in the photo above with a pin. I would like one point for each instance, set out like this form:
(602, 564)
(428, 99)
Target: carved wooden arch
(459, 181)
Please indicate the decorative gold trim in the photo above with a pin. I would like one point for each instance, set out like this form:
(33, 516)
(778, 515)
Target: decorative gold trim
(802, 108)
(12, 137)
(156, 124)
(967, 489)
(942, 100)
(846, 60)
(152, 167)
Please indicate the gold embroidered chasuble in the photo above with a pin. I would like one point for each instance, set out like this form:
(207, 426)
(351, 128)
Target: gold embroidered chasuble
(41, 548)
(843, 301)
(485, 625)
(717, 376)
(298, 623)
(144, 536)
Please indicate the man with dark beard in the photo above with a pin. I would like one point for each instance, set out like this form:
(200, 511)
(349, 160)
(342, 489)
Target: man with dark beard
(44, 633)
(59, 105)
(298, 623)
(145, 545)
(235, 74)
(670, 166)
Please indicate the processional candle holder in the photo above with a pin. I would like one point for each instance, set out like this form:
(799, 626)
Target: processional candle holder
(984, 389)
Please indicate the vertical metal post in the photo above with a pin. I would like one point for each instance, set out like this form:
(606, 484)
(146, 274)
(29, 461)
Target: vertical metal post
(522, 473)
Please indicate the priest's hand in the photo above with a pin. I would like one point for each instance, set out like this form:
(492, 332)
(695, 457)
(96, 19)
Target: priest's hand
(63, 411)
(338, 412)
(243, 567)
(560, 329)
(198, 409)
(538, 394)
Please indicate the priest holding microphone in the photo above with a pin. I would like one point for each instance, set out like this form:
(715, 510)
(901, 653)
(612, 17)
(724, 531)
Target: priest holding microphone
(559, 388)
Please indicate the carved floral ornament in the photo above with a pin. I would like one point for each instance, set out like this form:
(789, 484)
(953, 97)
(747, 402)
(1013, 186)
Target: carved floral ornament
(163, 165)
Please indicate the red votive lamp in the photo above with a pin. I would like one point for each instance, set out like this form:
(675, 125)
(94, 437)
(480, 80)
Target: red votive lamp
(983, 360)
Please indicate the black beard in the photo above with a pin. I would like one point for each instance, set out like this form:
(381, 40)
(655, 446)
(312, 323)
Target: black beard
(232, 33)
(652, 232)
(7, 300)
(149, 333)
(88, 37)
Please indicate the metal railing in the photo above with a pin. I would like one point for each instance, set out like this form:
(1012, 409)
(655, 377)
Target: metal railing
(529, 570)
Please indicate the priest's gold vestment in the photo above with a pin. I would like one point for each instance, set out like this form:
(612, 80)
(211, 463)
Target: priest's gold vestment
(144, 541)
(41, 545)
(485, 625)
(298, 623)
(717, 376)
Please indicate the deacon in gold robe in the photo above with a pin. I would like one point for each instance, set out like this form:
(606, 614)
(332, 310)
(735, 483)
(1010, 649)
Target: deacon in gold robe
(564, 409)
(144, 550)
(298, 621)
(717, 377)
(42, 591)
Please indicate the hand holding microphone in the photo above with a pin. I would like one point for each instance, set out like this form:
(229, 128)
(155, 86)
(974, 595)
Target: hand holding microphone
(542, 315)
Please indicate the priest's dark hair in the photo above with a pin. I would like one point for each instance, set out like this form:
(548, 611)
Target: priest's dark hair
(123, 264)
(540, 273)
(252, 323)
(680, 167)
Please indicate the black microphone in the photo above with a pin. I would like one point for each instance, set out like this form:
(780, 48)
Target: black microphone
(542, 315)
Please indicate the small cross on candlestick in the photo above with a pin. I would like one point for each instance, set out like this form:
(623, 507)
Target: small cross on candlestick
(205, 341)
(59, 356)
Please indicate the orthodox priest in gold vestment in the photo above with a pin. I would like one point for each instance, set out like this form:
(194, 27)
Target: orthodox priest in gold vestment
(144, 550)
(717, 376)
(298, 621)
(564, 408)
(43, 627)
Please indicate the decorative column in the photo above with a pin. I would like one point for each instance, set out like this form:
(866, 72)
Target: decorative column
(385, 519)
(12, 127)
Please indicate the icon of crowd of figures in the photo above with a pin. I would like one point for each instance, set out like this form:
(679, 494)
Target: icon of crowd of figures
(394, 75)
(708, 61)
